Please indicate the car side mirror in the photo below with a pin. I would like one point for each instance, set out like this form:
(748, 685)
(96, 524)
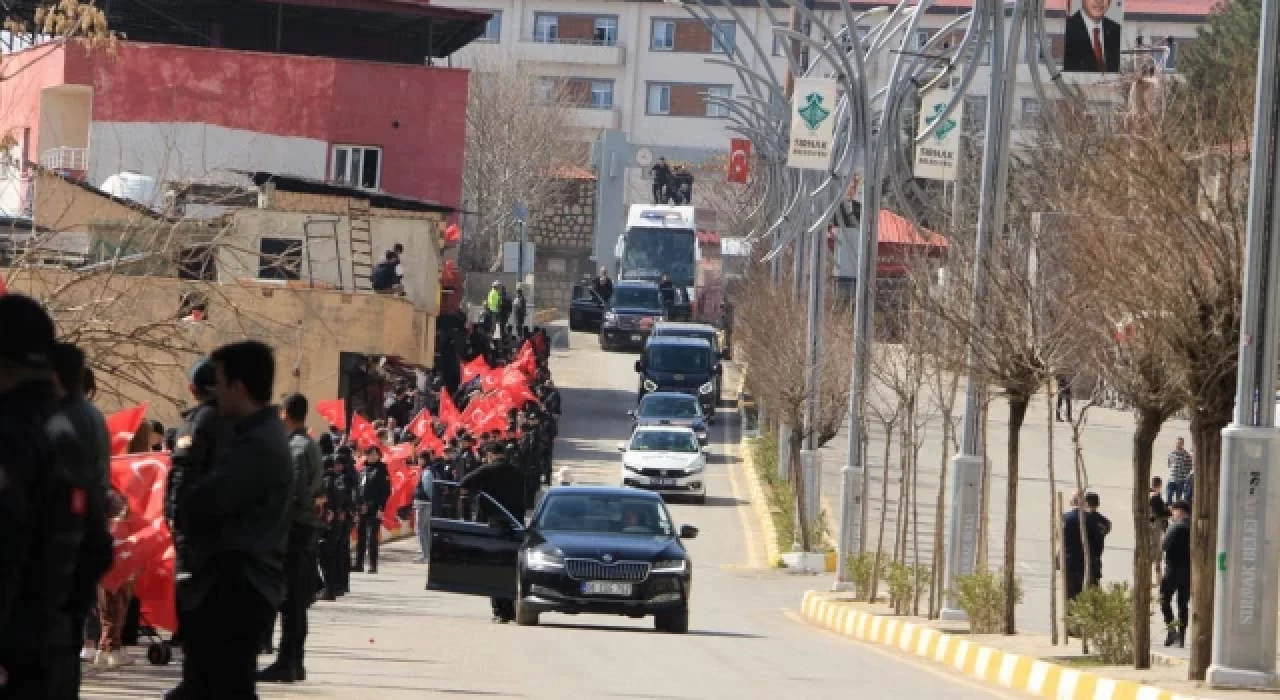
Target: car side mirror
(631, 414)
(639, 366)
(622, 447)
(688, 532)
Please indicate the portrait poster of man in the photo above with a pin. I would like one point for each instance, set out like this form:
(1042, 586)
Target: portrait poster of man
(1092, 38)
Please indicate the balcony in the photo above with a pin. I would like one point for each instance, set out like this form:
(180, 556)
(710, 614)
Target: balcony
(589, 52)
(591, 118)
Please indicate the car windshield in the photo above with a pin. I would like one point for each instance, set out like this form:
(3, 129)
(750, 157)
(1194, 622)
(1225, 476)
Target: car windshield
(664, 441)
(638, 297)
(679, 358)
(669, 407)
(649, 252)
(605, 514)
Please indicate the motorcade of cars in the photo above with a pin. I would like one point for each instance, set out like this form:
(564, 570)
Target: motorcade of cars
(671, 408)
(586, 550)
(686, 365)
(586, 308)
(633, 310)
(666, 459)
(693, 330)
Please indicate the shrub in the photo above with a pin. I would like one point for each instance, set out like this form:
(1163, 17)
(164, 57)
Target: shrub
(781, 499)
(861, 572)
(901, 580)
(1103, 617)
(981, 596)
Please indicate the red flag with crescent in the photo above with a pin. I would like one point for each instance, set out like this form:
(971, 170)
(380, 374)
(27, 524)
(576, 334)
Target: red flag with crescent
(334, 411)
(739, 161)
(122, 425)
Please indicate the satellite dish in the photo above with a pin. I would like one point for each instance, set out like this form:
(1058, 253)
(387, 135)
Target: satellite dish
(644, 157)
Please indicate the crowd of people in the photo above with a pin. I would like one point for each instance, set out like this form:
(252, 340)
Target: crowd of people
(259, 513)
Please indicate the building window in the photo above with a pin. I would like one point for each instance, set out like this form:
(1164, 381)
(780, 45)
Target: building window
(659, 99)
(280, 258)
(606, 31)
(1030, 116)
(602, 94)
(664, 35)
(723, 37)
(921, 39)
(543, 89)
(197, 262)
(358, 166)
(716, 109)
(546, 29)
(780, 43)
(975, 113)
(492, 28)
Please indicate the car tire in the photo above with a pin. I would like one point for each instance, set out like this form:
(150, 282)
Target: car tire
(524, 615)
(574, 323)
(672, 622)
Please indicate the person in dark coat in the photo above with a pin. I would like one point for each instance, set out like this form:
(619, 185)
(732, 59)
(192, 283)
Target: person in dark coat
(350, 483)
(1176, 580)
(503, 483)
(375, 489)
(1097, 527)
(237, 518)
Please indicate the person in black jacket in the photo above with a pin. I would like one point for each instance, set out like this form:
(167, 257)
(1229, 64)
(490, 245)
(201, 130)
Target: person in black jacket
(375, 489)
(48, 513)
(1098, 527)
(237, 519)
(345, 515)
(1177, 574)
(503, 483)
(1091, 35)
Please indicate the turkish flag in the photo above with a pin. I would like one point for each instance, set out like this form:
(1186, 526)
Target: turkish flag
(431, 443)
(475, 368)
(739, 161)
(122, 425)
(141, 535)
(526, 360)
(421, 423)
(334, 411)
(404, 479)
(452, 234)
(449, 414)
(156, 593)
(363, 432)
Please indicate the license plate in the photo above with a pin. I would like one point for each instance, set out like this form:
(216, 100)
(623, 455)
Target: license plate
(635, 337)
(605, 588)
(662, 482)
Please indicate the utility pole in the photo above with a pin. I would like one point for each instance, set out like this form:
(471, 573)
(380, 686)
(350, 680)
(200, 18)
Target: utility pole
(1245, 590)
(967, 466)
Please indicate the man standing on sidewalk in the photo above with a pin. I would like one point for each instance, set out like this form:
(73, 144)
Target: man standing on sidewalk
(422, 497)
(299, 558)
(1180, 466)
(238, 518)
(375, 489)
(1177, 574)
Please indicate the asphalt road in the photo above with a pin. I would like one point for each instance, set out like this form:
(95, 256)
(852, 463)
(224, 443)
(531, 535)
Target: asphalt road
(392, 638)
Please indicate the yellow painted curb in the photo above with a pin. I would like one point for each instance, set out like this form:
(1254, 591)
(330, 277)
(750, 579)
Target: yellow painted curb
(760, 505)
(987, 664)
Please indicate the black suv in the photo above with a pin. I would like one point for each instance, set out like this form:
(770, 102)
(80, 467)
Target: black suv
(632, 312)
(686, 365)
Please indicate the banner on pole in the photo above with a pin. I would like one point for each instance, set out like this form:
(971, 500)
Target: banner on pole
(813, 123)
(938, 154)
(739, 161)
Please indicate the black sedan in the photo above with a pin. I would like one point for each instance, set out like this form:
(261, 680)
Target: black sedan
(587, 549)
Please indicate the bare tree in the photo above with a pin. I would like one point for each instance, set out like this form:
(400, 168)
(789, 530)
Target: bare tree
(520, 134)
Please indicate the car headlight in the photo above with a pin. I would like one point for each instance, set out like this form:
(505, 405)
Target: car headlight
(671, 566)
(610, 317)
(650, 385)
(544, 558)
(706, 388)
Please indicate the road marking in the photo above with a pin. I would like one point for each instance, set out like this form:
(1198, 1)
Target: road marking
(755, 559)
(910, 661)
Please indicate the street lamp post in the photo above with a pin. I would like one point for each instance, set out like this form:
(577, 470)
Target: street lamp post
(1245, 589)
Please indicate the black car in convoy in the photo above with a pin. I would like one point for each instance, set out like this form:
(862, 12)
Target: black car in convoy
(587, 549)
(633, 310)
(671, 408)
(693, 330)
(686, 365)
(586, 308)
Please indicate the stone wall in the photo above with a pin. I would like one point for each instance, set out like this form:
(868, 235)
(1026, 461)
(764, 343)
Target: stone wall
(563, 234)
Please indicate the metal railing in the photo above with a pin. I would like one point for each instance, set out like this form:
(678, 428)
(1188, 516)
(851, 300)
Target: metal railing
(65, 158)
(608, 43)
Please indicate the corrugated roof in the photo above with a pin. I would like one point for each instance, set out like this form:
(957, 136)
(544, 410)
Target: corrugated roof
(572, 172)
(897, 230)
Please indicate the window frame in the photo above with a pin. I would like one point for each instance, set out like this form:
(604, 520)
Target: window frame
(292, 251)
(495, 19)
(602, 82)
(653, 34)
(731, 35)
(595, 28)
(648, 99)
(349, 148)
(722, 112)
(538, 38)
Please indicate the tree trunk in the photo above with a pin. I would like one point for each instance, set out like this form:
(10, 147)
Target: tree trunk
(1144, 437)
(1017, 414)
(798, 490)
(1206, 437)
(899, 524)
(1053, 520)
(884, 514)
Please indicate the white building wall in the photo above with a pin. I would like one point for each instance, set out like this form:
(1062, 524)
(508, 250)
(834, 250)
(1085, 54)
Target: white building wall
(178, 150)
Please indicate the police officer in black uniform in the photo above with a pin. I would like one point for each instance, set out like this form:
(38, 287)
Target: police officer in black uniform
(505, 485)
(349, 484)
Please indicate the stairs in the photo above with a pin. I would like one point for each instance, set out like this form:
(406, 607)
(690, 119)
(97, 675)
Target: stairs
(361, 243)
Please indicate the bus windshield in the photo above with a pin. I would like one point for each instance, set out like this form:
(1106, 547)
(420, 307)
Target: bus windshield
(650, 252)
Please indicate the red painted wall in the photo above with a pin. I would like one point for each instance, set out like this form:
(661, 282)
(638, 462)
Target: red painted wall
(22, 76)
(326, 99)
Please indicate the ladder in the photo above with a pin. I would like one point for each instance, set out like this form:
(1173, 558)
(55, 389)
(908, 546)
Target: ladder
(361, 243)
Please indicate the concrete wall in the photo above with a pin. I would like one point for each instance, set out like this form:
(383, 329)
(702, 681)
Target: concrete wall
(62, 206)
(178, 150)
(309, 329)
(238, 256)
(64, 117)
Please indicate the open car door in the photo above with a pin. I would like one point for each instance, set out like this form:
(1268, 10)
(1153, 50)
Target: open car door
(476, 558)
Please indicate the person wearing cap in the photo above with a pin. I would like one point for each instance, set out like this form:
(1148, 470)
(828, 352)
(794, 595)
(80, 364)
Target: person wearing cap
(346, 516)
(48, 513)
(337, 493)
(236, 519)
(375, 489)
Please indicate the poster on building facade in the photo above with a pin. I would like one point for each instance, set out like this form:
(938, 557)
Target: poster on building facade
(939, 152)
(813, 123)
(1091, 39)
